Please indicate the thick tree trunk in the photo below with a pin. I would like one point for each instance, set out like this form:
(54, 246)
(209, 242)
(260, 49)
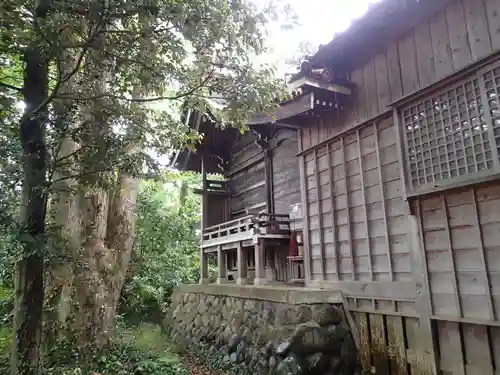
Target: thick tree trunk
(99, 276)
(121, 235)
(29, 269)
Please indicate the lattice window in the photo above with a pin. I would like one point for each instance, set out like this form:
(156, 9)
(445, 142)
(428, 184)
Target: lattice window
(449, 135)
(492, 86)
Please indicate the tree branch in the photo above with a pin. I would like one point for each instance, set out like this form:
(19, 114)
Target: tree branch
(11, 87)
(141, 100)
(61, 80)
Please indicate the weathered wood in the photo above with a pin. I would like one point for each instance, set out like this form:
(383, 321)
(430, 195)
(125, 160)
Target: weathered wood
(286, 174)
(364, 338)
(425, 57)
(395, 81)
(365, 211)
(477, 28)
(333, 208)
(349, 228)
(482, 255)
(479, 358)
(359, 96)
(203, 225)
(423, 302)
(493, 16)
(241, 264)
(441, 45)
(384, 211)
(456, 291)
(221, 266)
(320, 219)
(365, 359)
(459, 39)
(303, 195)
(450, 344)
(408, 61)
(370, 83)
(379, 343)
(396, 345)
(268, 175)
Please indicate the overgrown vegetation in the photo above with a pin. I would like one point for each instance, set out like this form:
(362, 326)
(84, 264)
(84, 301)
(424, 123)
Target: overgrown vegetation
(165, 255)
(91, 92)
(166, 250)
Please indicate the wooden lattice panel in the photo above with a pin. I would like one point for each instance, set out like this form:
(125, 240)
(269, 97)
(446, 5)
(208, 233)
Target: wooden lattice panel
(492, 86)
(447, 136)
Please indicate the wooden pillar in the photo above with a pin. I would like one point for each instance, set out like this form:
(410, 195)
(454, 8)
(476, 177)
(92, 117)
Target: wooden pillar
(260, 264)
(203, 224)
(221, 266)
(242, 265)
(268, 171)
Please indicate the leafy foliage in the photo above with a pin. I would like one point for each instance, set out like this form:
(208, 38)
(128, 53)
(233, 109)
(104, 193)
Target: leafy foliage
(103, 83)
(166, 249)
(135, 351)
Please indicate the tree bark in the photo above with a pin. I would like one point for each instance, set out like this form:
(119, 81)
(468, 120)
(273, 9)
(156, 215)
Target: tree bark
(29, 269)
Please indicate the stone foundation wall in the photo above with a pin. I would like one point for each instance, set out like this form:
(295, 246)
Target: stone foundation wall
(280, 335)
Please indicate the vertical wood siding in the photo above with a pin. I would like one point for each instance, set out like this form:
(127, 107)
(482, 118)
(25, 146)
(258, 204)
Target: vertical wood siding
(461, 238)
(357, 227)
(247, 176)
(286, 181)
(357, 211)
(462, 33)
(391, 344)
(218, 209)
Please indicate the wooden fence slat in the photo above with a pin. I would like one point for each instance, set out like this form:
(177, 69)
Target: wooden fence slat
(396, 345)
(320, 217)
(348, 208)
(383, 200)
(450, 344)
(365, 210)
(364, 337)
(416, 362)
(332, 199)
(477, 350)
(379, 344)
(365, 359)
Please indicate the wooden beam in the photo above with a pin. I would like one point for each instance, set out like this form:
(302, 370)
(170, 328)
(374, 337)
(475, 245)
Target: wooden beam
(203, 225)
(305, 219)
(286, 110)
(268, 171)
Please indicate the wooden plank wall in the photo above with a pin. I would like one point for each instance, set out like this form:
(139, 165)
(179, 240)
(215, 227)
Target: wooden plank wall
(218, 209)
(390, 343)
(247, 177)
(357, 216)
(357, 223)
(279, 257)
(286, 181)
(460, 34)
(461, 239)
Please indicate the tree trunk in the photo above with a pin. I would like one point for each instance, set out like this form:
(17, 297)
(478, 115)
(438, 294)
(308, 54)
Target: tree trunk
(29, 269)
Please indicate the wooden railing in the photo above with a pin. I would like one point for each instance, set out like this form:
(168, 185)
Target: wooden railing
(261, 223)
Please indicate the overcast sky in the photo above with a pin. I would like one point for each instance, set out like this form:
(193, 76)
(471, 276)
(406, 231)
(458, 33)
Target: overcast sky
(319, 21)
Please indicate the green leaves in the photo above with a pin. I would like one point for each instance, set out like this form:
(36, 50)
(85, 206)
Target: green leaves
(166, 247)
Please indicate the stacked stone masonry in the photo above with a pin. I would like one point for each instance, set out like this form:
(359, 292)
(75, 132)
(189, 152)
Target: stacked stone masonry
(268, 337)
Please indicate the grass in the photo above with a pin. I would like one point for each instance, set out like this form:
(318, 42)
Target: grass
(141, 349)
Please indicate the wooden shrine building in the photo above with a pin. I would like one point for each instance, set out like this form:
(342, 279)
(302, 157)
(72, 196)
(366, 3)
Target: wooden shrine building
(251, 219)
(386, 166)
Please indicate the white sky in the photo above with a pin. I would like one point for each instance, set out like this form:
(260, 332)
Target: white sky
(319, 21)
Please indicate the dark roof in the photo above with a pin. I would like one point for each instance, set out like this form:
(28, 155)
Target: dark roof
(213, 146)
(383, 23)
